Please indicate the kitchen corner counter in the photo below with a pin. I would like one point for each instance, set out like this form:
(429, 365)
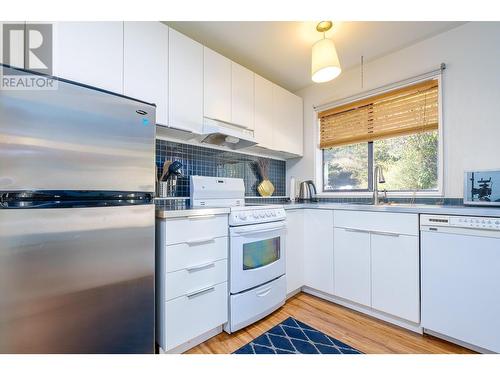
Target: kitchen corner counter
(402, 208)
(169, 213)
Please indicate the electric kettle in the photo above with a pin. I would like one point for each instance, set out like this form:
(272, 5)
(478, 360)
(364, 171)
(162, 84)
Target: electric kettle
(307, 191)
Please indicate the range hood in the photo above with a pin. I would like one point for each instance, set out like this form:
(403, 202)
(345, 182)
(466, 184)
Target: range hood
(221, 133)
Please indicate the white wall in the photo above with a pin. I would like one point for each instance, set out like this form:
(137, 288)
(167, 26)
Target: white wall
(471, 97)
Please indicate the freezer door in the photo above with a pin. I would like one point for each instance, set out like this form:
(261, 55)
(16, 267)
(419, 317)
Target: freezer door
(75, 138)
(77, 280)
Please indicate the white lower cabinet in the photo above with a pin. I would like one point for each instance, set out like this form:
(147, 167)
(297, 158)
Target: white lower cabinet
(294, 253)
(376, 261)
(198, 277)
(395, 275)
(352, 265)
(191, 279)
(318, 250)
(194, 314)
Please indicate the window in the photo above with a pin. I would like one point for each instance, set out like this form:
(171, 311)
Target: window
(397, 130)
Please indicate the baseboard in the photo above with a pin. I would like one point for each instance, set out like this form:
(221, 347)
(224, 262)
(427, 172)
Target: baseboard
(458, 342)
(365, 310)
(192, 343)
(293, 292)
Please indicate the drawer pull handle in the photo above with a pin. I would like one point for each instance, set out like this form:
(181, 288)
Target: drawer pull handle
(201, 292)
(264, 292)
(197, 217)
(201, 267)
(200, 241)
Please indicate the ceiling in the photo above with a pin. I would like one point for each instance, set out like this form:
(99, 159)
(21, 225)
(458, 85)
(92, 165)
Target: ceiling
(281, 51)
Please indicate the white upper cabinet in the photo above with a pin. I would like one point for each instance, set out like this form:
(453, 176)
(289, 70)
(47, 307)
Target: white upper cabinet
(217, 86)
(287, 122)
(185, 83)
(90, 53)
(264, 112)
(145, 70)
(318, 250)
(296, 141)
(242, 96)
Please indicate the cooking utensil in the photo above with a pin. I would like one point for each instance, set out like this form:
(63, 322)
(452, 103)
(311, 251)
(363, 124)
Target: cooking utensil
(174, 169)
(165, 169)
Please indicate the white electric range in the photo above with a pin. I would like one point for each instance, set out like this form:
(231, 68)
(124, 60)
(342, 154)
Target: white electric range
(257, 237)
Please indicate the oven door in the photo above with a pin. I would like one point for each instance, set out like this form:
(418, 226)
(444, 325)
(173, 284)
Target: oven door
(257, 254)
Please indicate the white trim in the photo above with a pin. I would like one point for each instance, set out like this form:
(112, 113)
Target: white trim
(458, 342)
(182, 348)
(318, 157)
(411, 326)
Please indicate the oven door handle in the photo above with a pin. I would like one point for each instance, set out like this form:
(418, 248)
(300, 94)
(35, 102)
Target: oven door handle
(259, 230)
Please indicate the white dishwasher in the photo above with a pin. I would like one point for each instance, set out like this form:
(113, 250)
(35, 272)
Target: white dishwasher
(461, 279)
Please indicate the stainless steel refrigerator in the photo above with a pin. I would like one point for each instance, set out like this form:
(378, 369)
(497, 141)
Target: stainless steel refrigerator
(76, 221)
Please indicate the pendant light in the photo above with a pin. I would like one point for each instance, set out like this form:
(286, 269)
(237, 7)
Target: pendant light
(325, 62)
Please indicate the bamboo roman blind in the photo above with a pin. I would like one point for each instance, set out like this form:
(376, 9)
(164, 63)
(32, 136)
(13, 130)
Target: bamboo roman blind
(403, 111)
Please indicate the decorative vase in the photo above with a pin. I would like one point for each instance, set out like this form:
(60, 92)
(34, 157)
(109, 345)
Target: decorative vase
(265, 188)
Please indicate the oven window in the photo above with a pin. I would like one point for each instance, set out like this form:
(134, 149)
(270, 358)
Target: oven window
(260, 253)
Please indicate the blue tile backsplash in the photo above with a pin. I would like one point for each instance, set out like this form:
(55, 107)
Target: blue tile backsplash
(204, 161)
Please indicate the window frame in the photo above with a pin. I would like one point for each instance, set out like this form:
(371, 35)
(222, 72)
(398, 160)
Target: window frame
(319, 157)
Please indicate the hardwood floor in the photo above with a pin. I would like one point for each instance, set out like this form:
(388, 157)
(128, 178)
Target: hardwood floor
(362, 332)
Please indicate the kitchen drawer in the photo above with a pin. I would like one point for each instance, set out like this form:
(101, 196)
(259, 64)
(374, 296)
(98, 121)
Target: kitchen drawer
(186, 281)
(195, 228)
(377, 221)
(190, 316)
(191, 254)
(250, 306)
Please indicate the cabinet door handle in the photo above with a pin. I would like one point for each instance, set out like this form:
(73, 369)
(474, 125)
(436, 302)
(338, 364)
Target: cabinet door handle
(200, 267)
(200, 241)
(356, 230)
(264, 292)
(201, 292)
(386, 234)
(198, 217)
(391, 234)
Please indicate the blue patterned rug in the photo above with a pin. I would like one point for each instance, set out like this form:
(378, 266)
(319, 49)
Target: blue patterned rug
(294, 337)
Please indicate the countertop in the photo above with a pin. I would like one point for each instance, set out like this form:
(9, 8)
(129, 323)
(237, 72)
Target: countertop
(169, 213)
(401, 207)
(186, 211)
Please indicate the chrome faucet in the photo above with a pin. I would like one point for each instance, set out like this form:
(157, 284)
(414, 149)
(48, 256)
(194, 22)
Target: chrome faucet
(378, 178)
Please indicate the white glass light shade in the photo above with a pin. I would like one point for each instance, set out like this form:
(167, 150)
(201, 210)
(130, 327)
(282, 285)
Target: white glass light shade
(325, 62)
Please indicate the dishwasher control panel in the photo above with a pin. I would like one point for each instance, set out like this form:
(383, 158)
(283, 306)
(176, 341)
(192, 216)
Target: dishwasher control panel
(491, 223)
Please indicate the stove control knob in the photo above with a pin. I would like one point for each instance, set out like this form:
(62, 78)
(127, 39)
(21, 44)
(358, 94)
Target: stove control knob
(255, 215)
(243, 216)
(273, 213)
(262, 214)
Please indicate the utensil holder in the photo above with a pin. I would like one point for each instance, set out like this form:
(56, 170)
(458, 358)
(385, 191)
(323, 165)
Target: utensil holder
(162, 188)
(171, 186)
